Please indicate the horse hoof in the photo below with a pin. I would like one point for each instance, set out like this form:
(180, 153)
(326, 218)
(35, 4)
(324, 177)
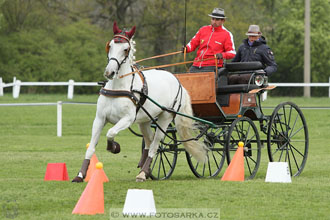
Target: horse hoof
(141, 177)
(113, 147)
(78, 179)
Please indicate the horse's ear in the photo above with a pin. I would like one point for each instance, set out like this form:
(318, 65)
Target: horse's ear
(131, 32)
(116, 30)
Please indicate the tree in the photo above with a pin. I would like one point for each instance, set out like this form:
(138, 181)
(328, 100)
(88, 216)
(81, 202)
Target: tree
(320, 40)
(46, 40)
(289, 47)
(1, 14)
(15, 13)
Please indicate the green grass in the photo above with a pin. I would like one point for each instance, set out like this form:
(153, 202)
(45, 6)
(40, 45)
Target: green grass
(29, 142)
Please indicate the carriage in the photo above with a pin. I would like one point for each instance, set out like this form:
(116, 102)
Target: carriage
(209, 127)
(227, 114)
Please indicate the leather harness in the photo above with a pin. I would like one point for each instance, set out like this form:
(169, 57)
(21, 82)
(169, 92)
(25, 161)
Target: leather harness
(130, 94)
(120, 38)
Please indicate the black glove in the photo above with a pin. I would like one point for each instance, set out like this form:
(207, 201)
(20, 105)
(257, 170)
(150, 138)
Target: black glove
(183, 49)
(219, 56)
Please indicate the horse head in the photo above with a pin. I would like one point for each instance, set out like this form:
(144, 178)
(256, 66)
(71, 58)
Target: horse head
(118, 50)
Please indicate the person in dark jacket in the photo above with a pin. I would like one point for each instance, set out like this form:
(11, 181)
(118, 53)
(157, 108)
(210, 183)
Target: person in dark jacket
(254, 48)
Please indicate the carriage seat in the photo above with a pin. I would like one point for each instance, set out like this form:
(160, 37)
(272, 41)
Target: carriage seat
(236, 68)
(223, 90)
(243, 66)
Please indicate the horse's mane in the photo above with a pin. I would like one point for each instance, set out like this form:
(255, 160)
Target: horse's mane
(131, 56)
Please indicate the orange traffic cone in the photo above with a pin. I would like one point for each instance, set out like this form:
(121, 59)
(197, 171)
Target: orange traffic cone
(91, 201)
(91, 168)
(235, 170)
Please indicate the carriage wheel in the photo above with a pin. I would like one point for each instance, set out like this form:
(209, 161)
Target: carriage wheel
(287, 137)
(215, 142)
(164, 161)
(243, 129)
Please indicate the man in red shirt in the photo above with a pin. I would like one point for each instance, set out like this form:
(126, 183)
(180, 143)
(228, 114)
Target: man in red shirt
(212, 40)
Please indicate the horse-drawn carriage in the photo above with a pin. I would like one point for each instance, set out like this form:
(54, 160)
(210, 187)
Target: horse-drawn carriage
(228, 114)
(223, 116)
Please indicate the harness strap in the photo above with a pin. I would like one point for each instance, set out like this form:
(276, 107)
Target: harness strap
(177, 95)
(119, 93)
(119, 64)
(130, 94)
(144, 91)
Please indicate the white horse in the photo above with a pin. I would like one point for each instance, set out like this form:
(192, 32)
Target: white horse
(123, 102)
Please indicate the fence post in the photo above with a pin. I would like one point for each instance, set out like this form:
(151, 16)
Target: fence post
(70, 89)
(264, 96)
(16, 88)
(59, 119)
(1, 87)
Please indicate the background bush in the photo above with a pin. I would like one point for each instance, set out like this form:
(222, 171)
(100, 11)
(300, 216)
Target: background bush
(58, 40)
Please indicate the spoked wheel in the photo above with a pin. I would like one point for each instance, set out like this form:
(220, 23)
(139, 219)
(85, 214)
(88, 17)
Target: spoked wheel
(164, 161)
(243, 129)
(287, 137)
(215, 142)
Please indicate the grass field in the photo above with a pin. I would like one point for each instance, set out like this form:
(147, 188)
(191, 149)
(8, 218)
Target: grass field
(29, 142)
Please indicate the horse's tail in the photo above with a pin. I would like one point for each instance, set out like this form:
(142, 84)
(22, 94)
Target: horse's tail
(185, 127)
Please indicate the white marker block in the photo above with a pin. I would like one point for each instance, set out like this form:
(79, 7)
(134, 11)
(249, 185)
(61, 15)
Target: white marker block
(139, 202)
(278, 172)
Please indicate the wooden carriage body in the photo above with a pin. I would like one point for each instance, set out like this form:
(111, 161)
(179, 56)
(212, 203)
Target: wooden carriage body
(206, 98)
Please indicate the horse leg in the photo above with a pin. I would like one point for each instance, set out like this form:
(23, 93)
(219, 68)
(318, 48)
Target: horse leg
(98, 125)
(163, 121)
(113, 146)
(122, 124)
(147, 136)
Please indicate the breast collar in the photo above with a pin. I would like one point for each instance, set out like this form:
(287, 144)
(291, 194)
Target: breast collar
(130, 94)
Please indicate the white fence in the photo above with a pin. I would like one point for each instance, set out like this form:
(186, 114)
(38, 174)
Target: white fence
(59, 110)
(16, 84)
(59, 105)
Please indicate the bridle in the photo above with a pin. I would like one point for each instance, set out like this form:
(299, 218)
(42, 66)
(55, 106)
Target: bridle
(118, 38)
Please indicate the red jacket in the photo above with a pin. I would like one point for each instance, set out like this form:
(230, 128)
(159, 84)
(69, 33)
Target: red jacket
(212, 41)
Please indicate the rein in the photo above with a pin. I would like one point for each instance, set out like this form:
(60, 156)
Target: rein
(158, 56)
(202, 133)
(166, 65)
